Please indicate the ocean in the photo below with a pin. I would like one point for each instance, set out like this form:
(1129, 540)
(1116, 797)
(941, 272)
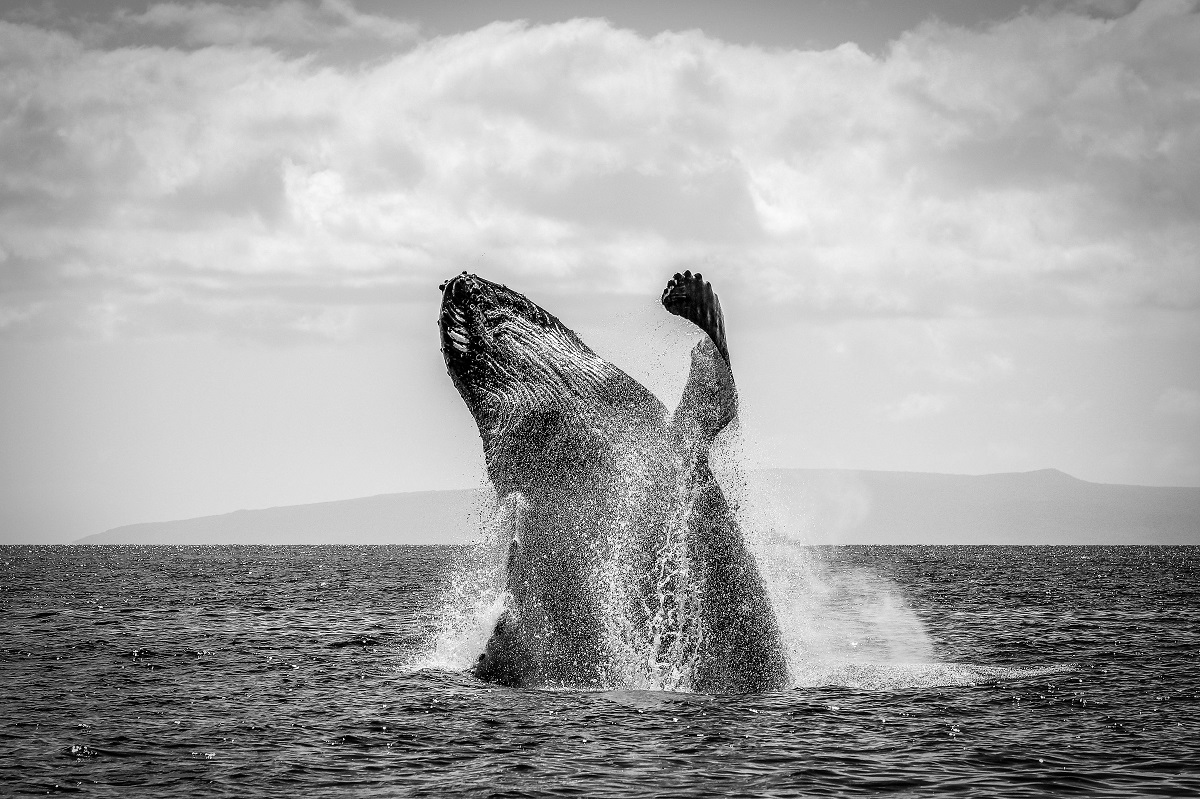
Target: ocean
(342, 671)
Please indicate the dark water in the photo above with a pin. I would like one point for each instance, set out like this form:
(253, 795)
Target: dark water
(296, 671)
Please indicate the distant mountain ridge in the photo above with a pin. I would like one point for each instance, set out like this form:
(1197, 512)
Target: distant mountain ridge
(418, 517)
(1039, 507)
(816, 506)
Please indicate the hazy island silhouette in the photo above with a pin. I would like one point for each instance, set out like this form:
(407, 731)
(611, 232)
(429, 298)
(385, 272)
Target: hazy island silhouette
(811, 506)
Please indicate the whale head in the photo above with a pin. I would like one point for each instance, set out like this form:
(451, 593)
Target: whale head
(506, 354)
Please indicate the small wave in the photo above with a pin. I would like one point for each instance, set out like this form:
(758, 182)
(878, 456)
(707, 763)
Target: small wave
(361, 640)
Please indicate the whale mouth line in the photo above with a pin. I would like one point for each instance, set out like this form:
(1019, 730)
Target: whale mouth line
(459, 297)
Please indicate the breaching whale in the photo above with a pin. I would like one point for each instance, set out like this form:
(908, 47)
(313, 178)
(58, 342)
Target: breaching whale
(626, 566)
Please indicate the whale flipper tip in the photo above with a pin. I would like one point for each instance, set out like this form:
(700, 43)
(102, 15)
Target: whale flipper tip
(693, 298)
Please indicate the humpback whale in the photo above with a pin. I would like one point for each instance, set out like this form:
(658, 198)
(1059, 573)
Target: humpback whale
(625, 565)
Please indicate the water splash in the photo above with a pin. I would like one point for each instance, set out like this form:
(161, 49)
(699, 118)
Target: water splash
(840, 625)
(473, 600)
(830, 617)
(650, 616)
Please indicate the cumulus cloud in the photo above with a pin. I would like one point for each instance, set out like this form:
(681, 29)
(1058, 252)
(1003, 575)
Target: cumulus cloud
(235, 167)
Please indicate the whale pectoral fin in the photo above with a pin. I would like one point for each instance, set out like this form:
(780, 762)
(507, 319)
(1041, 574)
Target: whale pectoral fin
(693, 298)
(709, 402)
(743, 647)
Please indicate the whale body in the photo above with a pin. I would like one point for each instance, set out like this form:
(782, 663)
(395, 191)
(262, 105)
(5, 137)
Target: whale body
(625, 566)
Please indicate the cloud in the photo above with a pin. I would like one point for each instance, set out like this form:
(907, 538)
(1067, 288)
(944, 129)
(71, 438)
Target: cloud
(287, 22)
(1052, 405)
(1176, 401)
(918, 406)
(241, 159)
(1099, 8)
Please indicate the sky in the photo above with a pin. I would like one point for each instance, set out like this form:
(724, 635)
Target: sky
(955, 237)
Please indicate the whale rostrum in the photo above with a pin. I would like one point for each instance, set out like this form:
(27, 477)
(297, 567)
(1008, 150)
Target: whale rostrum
(625, 566)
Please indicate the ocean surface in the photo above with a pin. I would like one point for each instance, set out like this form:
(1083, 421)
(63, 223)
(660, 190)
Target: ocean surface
(341, 671)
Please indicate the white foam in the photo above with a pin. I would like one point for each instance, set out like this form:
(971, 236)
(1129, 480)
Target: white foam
(901, 676)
